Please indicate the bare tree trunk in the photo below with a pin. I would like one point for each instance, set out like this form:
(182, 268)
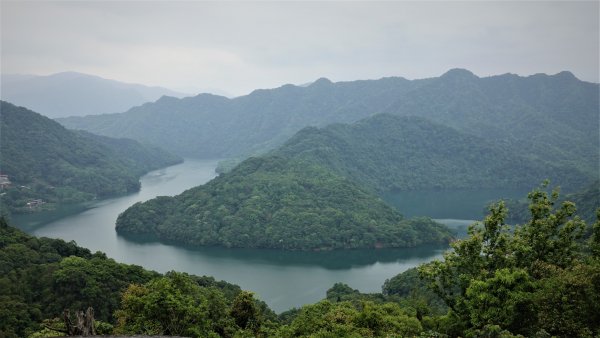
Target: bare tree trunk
(88, 323)
(68, 324)
(85, 323)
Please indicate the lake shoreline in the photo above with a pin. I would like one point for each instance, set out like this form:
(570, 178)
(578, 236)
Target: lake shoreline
(283, 279)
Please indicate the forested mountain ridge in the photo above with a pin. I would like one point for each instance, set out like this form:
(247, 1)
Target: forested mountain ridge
(44, 161)
(387, 152)
(214, 126)
(553, 117)
(275, 202)
(550, 117)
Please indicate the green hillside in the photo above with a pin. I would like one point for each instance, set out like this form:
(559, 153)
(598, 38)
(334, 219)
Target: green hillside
(317, 191)
(44, 161)
(274, 202)
(387, 152)
(552, 117)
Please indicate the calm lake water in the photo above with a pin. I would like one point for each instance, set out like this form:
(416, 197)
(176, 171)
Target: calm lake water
(450, 204)
(282, 279)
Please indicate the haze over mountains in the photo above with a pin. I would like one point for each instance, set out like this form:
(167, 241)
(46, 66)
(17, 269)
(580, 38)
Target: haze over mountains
(76, 94)
(551, 117)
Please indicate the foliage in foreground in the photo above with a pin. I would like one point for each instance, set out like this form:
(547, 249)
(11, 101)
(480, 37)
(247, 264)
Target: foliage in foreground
(41, 277)
(539, 279)
(535, 279)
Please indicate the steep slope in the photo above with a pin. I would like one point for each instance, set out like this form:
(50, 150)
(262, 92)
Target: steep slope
(274, 202)
(387, 152)
(553, 117)
(214, 126)
(547, 117)
(43, 160)
(76, 94)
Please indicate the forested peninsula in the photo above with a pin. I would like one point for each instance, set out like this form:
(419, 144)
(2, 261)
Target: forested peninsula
(44, 164)
(275, 202)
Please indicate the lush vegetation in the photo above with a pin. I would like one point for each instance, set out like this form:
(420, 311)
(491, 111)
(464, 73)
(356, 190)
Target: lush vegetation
(586, 200)
(539, 279)
(40, 277)
(43, 160)
(275, 202)
(387, 152)
(303, 195)
(547, 118)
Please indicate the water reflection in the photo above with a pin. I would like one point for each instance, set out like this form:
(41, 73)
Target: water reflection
(449, 204)
(331, 260)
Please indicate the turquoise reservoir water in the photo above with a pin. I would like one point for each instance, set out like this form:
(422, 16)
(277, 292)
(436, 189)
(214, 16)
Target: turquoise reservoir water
(282, 279)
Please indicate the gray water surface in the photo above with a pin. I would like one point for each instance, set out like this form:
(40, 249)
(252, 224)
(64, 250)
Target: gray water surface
(282, 279)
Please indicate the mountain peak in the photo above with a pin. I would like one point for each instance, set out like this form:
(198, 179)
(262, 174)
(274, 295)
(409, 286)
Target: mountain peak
(566, 75)
(323, 81)
(166, 99)
(458, 73)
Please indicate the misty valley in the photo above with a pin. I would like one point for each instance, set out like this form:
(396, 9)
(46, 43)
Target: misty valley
(449, 206)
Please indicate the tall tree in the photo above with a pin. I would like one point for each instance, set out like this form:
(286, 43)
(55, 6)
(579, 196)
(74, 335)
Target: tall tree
(497, 279)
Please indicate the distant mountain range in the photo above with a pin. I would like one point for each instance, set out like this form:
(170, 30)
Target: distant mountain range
(76, 94)
(46, 164)
(546, 117)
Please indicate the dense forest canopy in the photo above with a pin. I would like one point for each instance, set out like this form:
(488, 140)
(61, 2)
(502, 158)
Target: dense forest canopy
(274, 202)
(40, 277)
(549, 117)
(540, 278)
(387, 152)
(44, 161)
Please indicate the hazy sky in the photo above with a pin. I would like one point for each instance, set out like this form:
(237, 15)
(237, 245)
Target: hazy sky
(240, 46)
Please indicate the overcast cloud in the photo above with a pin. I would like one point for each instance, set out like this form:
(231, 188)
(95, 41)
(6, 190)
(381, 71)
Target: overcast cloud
(240, 46)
